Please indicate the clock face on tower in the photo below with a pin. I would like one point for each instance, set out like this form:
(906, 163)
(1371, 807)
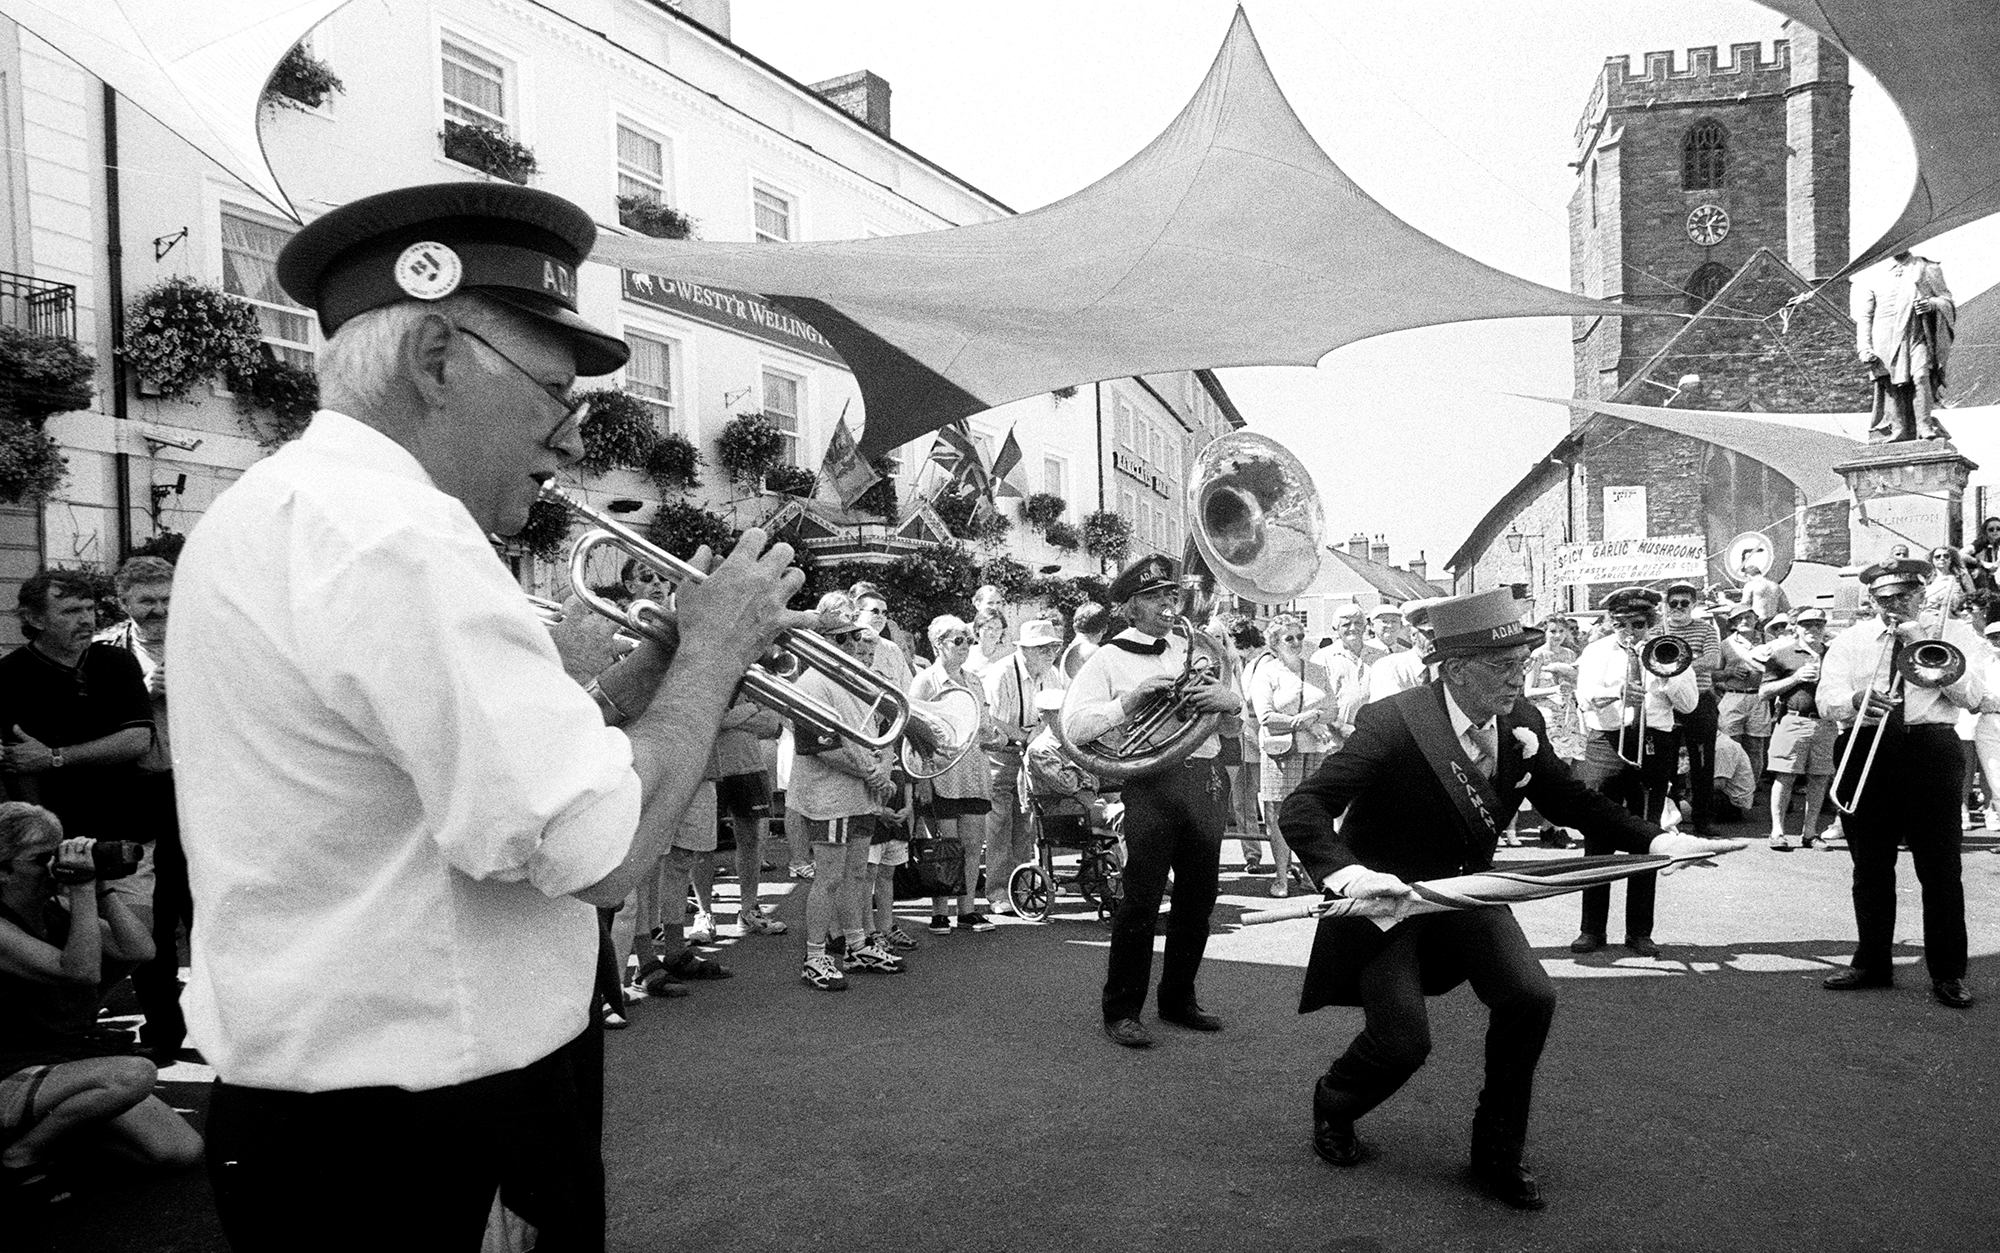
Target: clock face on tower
(1708, 224)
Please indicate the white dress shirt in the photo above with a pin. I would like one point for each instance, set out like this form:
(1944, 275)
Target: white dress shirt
(1398, 672)
(1010, 697)
(1093, 705)
(388, 786)
(1464, 727)
(1601, 672)
(1854, 660)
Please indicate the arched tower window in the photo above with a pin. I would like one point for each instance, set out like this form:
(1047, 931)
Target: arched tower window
(1704, 283)
(1704, 155)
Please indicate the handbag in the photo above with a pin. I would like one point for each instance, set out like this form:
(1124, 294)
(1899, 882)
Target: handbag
(1274, 745)
(936, 866)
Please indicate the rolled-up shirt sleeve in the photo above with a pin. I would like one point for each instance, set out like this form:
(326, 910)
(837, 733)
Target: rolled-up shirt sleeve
(1090, 707)
(457, 682)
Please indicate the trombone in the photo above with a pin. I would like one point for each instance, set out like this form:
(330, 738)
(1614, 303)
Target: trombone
(1926, 664)
(1663, 655)
(769, 682)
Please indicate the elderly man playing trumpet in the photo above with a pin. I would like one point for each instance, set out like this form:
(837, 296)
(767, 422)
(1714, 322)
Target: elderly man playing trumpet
(398, 810)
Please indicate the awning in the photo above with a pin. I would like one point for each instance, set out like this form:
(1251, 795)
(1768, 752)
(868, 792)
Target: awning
(1802, 447)
(198, 68)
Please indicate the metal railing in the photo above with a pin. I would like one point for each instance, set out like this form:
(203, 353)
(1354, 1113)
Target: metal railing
(37, 305)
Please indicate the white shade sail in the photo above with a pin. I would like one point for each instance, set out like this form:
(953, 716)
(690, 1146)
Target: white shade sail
(198, 68)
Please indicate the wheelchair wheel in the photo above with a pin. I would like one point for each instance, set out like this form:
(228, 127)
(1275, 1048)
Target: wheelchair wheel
(1101, 878)
(1032, 891)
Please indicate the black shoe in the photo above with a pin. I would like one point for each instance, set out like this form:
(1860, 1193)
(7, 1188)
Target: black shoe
(1509, 1181)
(1585, 942)
(1128, 1032)
(1854, 979)
(1642, 945)
(1193, 1017)
(1334, 1140)
(1951, 993)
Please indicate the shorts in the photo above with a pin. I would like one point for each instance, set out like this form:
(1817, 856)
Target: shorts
(840, 830)
(744, 795)
(945, 807)
(697, 833)
(1742, 713)
(17, 1098)
(1802, 745)
(889, 853)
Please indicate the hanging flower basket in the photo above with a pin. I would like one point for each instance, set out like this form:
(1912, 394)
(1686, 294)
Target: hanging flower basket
(31, 462)
(965, 518)
(1106, 536)
(286, 394)
(43, 375)
(1062, 535)
(302, 81)
(182, 333)
(492, 151)
(1009, 575)
(1042, 508)
(547, 532)
(790, 480)
(650, 217)
(748, 448)
(673, 462)
(618, 432)
(681, 528)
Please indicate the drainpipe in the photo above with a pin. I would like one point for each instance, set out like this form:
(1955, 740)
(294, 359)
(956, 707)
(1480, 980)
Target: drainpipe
(114, 252)
(1097, 394)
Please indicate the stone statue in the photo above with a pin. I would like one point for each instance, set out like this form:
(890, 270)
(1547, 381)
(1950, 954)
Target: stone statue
(1904, 322)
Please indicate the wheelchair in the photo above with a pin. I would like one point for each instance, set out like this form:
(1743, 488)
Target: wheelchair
(1062, 825)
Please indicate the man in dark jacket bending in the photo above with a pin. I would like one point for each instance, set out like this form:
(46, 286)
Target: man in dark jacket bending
(1427, 782)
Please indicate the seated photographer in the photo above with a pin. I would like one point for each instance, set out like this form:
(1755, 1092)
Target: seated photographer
(64, 938)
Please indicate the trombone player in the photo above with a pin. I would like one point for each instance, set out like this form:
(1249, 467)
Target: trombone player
(1875, 680)
(1629, 700)
(398, 810)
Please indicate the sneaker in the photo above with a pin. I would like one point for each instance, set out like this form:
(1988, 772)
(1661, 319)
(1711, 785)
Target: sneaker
(900, 940)
(1001, 906)
(633, 992)
(802, 871)
(975, 922)
(940, 924)
(822, 972)
(757, 922)
(1781, 843)
(612, 1019)
(702, 930)
(872, 956)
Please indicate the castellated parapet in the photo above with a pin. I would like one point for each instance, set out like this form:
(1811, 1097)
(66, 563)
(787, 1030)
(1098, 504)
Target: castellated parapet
(1698, 79)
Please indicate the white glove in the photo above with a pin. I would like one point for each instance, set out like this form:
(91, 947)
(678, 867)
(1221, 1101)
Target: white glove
(1674, 844)
(1356, 882)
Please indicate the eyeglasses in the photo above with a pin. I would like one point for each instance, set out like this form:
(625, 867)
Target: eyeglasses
(1516, 669)
(956, 639)
(1680, 604)
(1291, 639)
(574, 411)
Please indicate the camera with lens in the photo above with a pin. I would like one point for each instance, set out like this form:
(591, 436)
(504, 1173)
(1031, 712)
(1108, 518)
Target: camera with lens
(113, 859)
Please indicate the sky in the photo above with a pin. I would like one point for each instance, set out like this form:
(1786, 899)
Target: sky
(1458, 115)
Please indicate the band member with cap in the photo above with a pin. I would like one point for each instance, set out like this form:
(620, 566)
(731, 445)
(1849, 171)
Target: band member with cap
(1422, 791)
(1401, 671)
(1629, 712)
(1913, 791)
(1696, 727)
(398, 809)
(1801, 741)
(1174, 817)
(1011, 686)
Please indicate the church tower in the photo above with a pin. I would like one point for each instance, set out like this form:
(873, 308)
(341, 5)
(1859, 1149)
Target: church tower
(1687, 176)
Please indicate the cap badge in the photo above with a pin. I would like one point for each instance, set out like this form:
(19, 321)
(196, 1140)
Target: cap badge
(429, 270)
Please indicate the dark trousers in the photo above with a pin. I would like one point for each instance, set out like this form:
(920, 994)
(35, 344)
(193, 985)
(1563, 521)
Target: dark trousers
(1487, 946)
(1912, 794)
(1173, 822)
(157, 983)
(610, 989)
(1697, 736)
(1642, 790)
(390, 1169)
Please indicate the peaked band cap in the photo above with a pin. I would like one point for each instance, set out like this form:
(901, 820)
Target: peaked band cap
(1480, 622)
(1148, 574)
(1884, 575)
(514, 245)
(1633, 600)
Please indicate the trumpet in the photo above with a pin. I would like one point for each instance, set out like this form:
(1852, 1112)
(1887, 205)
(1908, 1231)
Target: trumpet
(769, 682)
(1665, 656)
(1925, 664)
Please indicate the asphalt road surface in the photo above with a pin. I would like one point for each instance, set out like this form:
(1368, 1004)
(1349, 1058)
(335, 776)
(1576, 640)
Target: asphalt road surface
(1714, 1098)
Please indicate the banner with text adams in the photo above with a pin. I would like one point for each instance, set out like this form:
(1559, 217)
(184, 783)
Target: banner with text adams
(1631, 560)
(742, 312)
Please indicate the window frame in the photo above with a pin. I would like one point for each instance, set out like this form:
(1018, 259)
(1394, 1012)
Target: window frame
(519, 106)
(794, 203)
(1705, 167)
(286, 350)
(1057, 484)
(669, 411)
(800, 418)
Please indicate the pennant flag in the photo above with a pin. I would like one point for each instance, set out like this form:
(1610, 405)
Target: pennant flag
(1004, 466)
(843, 469)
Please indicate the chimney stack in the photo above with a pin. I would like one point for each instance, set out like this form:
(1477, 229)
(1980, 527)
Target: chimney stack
(1357, 546)
(1378, 552)
(1420, 567)
(864, 94)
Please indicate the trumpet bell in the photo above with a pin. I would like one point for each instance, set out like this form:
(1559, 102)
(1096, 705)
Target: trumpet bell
(1931, 664)
(1255, 518)
(939, 733)
(1666, 656)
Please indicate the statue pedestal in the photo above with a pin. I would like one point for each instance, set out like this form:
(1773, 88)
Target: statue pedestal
(1907, 493)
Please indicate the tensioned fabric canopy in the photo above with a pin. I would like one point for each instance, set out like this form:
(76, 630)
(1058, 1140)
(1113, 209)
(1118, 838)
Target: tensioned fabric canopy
(1802, 447)
(199, 68)
(1232, 239)
(1939, 60)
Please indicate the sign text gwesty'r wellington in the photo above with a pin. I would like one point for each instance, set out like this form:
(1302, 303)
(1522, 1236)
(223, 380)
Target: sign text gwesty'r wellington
(742, 312)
